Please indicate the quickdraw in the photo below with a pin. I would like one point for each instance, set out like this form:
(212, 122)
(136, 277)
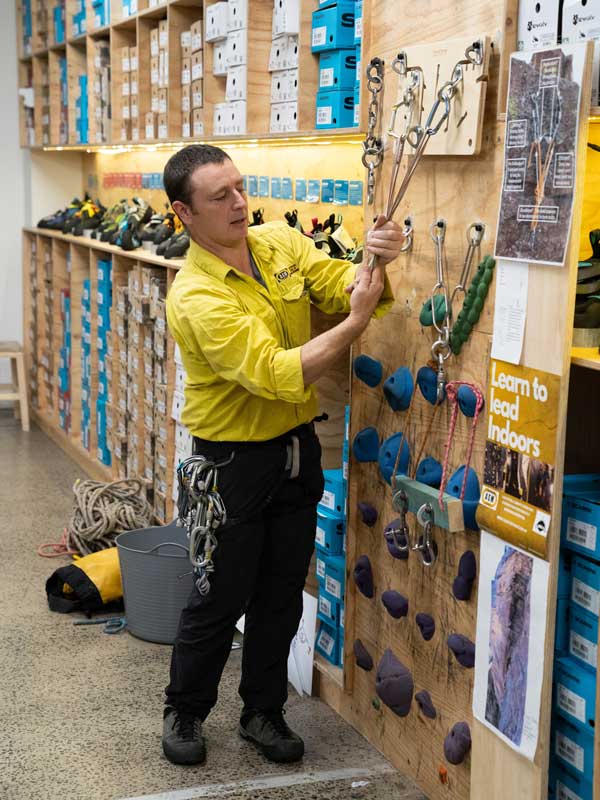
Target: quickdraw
(201, 512)
(373, 145)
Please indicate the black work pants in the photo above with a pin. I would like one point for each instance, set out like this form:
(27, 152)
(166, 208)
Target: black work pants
(261, 563)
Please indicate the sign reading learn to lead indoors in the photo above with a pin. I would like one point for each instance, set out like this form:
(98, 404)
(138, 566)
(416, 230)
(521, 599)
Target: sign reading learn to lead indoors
(520, 454)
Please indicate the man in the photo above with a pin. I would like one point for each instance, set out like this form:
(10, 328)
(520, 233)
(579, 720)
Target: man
(240, 312)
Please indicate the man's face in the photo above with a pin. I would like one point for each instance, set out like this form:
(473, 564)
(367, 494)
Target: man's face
(218, 213)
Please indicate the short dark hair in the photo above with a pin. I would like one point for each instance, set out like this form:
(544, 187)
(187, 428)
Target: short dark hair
(179, 168)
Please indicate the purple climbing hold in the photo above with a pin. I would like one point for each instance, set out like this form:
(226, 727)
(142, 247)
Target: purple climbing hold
(463, 649)
(467, 571)
(368, 514)
(394, 684)
(363, 576)
(394, 538)
(362, 655)
(426, 624)
(458, 743)
(395, 603)
(425, 702)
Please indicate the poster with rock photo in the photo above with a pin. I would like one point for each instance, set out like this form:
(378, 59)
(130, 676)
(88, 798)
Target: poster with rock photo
(540, 154)
(511, 630)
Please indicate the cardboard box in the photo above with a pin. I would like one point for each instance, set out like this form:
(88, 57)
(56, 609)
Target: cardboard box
(125, 60)
(237, 48)
(574, 748)
(197, 122)
(581, 21)
(335, 108)
(154, 75)
(196, 65)
(150, 125)
(337, 69)
(286, 17)
(564, 784)
(196, 94)
(537, 25)
(154, 99)
(330, 532)
(575, 693)
(328, 610)
(581, 514)
(186, 124)
(186, 71)
(161, 426)
(334, 495)
(160, 398)
(585, 585)
(133, 83)
(185, 40)
(162, 103)
(220, 58)
(186, 100)
(333, 27)
(177, 406)
(196, 36)
(163, 34)
(162, 127)
(154, 47)
(216, 21)
(335, 578)
(133, 58)
(327, 642)
(134, 111)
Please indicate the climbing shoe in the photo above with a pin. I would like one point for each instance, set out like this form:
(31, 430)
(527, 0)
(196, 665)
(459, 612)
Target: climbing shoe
(58, 220)
(587, 312)
(149, 231)
(182, 738)
(258, 217)
(270, 733)
(177, 246)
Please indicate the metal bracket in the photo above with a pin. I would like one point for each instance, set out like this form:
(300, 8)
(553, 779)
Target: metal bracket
(450, 516)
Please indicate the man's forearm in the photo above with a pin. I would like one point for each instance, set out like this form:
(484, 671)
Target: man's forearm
(320, 353)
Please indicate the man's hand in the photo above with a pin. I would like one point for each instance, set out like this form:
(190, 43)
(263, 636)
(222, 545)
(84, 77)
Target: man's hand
(367, 291)
(384, 240)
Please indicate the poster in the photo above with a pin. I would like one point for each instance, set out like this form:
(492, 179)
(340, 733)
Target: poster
(540, 152)
(520, 454)
(511, 630)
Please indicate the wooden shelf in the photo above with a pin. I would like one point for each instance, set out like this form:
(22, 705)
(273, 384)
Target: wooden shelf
(588, 357)
(336, 674)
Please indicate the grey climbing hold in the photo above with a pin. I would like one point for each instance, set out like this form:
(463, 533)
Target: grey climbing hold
(426, 624)
(394, 537)
(395, 603)
(463, 649)
(394, 684)
(368, 514)
(363, 576)
(458, 743)
(425, 702)
(467, 572)
(362, 655)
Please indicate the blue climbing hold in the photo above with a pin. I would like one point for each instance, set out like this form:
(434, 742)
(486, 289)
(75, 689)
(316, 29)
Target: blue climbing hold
(467, 400)
(365, 446)
(368, 370)
(429, 472)
(387, 457)
(398, 389)
(471, 498)
(427, 383)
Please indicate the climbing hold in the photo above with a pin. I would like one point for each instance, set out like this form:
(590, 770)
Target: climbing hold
(463, 649)
(467, 571)
(388, 452)
(475, 297)
(395, 603)
(467, 400)
(472, 493)
(398, 389)
(439, 307)
(458, 743)
(363, 576)
(429, 472)
(394, 684)
(425, 702)
(394, 536)
(368, 514)
(368, 370)
(376, 703)
(443, 774)
(365, 446)
(362, 655)
(428, 384)
(426, 625)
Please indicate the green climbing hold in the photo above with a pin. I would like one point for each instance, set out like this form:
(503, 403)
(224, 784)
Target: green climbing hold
(472, 305)
(439, 305)
(376, 703)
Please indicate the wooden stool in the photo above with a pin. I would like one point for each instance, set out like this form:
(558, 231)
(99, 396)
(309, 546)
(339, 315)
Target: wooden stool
(16, 391)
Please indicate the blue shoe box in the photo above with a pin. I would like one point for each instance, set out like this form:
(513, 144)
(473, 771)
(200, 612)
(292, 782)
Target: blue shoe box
(564, 784)
(358, 67)
(337, 69)
(333, 26)
(85, 294)
(331, 528)
(561, 638)
(334, 494)
(103, 296)
(320, 566)
(346, 444)
(583, 636)
(575, 694)
(565, 567)
(335, 109)
(574, 748)
(102, 386)
(335, 578)
(327, 643)
(581, 514)
(358, 21)
(328, 610)
(105, 272)
(585, 586)
(59, 24)
(356, 122)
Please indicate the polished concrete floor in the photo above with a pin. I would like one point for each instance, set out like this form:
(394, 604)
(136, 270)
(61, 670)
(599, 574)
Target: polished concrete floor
(80, 711)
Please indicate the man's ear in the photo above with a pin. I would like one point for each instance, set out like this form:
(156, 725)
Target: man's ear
(182, 211)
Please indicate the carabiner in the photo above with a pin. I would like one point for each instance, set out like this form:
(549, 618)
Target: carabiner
(430, 128)
(408, 233)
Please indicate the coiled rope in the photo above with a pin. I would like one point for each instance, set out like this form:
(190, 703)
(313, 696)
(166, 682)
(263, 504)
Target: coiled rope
(100, 512)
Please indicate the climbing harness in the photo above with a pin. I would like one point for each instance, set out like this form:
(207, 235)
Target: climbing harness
(452, 393)
(543, 135)
(201, 512)
(373, 145)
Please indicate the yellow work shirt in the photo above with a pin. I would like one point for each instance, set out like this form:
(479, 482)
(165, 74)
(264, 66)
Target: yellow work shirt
(240, 342)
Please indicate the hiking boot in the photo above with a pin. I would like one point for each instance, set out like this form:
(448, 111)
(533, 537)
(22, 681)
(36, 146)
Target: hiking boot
(182, 738)
(270, 733)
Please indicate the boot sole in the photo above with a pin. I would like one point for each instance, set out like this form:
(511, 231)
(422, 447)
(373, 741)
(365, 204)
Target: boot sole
(270, 752)
(174, 758)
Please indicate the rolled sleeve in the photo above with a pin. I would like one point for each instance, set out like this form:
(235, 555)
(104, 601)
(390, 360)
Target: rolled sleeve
(288, 377)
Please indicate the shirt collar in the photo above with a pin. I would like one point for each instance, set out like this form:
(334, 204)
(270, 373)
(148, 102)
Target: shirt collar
(201, 258)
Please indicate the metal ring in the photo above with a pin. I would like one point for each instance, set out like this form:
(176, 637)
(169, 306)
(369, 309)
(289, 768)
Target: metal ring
(426, 508)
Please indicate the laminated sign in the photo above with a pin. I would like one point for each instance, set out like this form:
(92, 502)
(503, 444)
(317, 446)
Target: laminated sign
(518, 479)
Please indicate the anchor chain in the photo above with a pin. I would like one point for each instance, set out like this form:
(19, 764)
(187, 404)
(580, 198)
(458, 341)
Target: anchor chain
(372, 156)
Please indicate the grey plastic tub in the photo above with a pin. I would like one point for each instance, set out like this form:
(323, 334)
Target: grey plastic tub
(154, 563)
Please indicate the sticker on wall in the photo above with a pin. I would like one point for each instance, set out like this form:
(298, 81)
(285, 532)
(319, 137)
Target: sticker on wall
(252, 186)
(286, 189)
(301, 190)
(327, 190)
(355, 193)
(313, 194)
(276, 188)
(517, 495)
(263, 186)
(340, 193)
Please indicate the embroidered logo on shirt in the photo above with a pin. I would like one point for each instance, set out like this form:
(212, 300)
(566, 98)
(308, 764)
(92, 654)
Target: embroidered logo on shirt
(285, 273)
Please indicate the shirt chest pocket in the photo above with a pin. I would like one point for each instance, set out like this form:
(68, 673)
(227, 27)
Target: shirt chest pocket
(296, 305)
